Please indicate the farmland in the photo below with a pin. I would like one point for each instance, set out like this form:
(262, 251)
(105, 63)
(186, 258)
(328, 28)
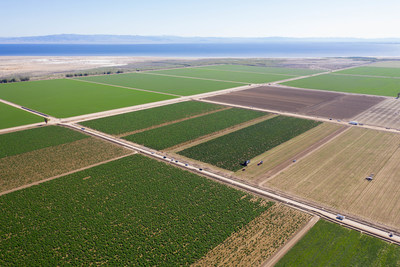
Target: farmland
(328, 244)
(307, 102)
(264, 70)
(244, 77)
(372, 71)
(350, 84)
(174, 134)
(258, 240)
(164, 84)
(122, 213)
(142, 119)
(384, 114)
(335, 175)
(40, 164)
(37, 138)
(283, 155)
(65, 98)
(12, 117)
(230, 150)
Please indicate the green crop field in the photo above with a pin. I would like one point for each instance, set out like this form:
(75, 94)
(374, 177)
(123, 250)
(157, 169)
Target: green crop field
(265, 70)
(65, 98)
(24, 141)
(165, 84)
(233, 76)
(177, 133)
(372, 71)
(230, 150)
(142, 119)
(12, 117)
(328, 244)
(132, 211)
(350, 84)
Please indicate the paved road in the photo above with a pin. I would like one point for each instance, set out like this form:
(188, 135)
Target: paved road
(368, 228)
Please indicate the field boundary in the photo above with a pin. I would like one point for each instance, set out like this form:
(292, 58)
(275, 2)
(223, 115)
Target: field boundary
(269, 175)
(196, 78)
(171, 122)
(292, 241)
(120, 86)
(64, 174)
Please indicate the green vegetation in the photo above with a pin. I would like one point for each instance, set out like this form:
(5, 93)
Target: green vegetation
(372, 71)
(165, 84)
(149, 117)
(328, 244)
(12, 117)
(37, 138)
(230, 150)
(65, 98)
(350, 84)
(233, 76)
(174, 134)
(269, 70)
(132, 211)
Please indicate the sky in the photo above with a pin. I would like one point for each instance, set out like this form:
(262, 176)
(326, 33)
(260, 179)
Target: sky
(206, 18)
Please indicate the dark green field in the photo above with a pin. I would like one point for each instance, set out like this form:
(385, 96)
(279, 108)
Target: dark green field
(142, 119)
(230, 150)
(66, 98)
(174, 134)
(265, 70)
(164, 84)
(234, 76)
(133, 211)
(372, 71)
(37, 138)
(350, 84)
(328, 244)
(12, 117)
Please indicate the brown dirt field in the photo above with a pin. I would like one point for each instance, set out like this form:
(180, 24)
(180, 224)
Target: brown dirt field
(22, 169)
(308, 102)
(335, 176)
(258, 240)
(279, 157)
(384, 114)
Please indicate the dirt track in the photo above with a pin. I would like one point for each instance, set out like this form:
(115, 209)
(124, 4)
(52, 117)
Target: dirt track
(307, 102)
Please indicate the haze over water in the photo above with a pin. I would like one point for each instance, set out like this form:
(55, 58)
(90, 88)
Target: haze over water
(289, 49)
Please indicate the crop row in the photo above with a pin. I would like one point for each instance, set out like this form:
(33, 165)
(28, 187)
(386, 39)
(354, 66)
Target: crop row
(230, 150)
(37, 138)
(132, 211)
(142, 119)
(177, 133)
(328, 244)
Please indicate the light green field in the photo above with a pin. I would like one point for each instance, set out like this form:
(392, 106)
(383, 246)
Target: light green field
(372, 71)
(350, 84)
(387, 64)
(328, 244)
(12, 117)
(269, 70)
(66, 98)
(164, 84)
(233, 76)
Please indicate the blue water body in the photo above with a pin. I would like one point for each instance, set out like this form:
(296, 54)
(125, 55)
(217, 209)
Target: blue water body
(290, 49)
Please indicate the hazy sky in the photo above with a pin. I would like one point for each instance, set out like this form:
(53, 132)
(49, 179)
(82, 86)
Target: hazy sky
(245, 18)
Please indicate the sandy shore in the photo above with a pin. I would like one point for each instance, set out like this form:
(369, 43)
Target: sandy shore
(46, 65)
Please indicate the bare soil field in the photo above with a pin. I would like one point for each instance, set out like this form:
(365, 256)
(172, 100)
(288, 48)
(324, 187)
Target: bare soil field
(258, 240)
(43, 163)
(46, 65)
(283, 155)
(335, 175)
(384, 114)
(307, 102)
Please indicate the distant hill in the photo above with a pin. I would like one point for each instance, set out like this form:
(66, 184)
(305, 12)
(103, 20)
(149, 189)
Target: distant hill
(137, 39)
